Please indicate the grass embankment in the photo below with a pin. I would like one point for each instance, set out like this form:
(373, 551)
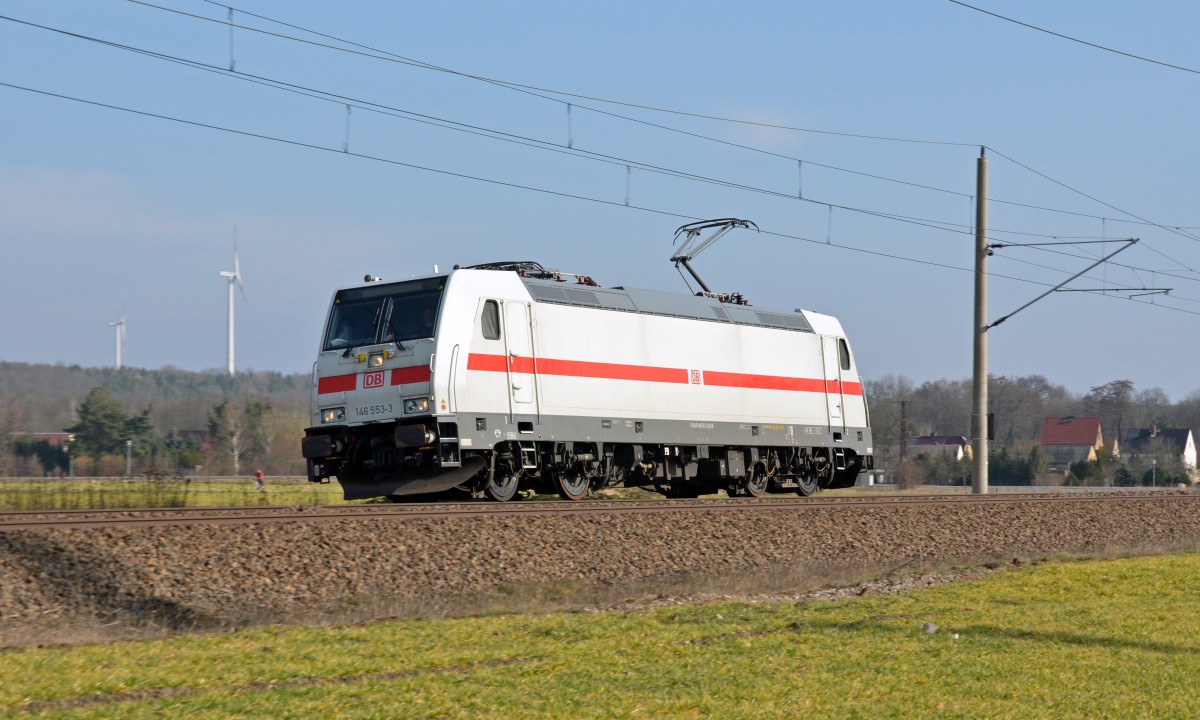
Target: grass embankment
(110, 493)
(1115, 638)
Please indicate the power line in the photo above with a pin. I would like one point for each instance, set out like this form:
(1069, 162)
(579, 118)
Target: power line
(534, 91)
(564, 93)
(1101, 202)
(528, 89)
(1077, 40)
(532, 142)
(517, 186)
(400, 113)
(543, 145)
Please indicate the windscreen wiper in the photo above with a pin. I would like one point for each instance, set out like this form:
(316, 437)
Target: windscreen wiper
(395, 334)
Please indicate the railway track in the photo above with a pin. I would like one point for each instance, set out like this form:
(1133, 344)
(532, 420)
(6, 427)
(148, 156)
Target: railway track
(138, 517)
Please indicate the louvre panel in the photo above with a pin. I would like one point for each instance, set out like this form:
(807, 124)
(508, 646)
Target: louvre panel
(583, 297)
(742, 315)
(771, 319)
(797, 322)
(543, 292)
(615, 301)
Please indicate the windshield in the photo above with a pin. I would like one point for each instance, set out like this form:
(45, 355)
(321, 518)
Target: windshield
(384, 313)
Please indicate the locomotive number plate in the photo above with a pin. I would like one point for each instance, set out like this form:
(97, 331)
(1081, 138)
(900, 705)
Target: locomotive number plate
(366, 411)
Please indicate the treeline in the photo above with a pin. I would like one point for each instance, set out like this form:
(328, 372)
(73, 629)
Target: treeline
(165, 421)
(179, 420)
(1019, 406)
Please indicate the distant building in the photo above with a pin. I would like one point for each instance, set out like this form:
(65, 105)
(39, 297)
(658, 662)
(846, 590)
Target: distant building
(55, 439)
(1069, 440)
(956, 446)
(1179, 441)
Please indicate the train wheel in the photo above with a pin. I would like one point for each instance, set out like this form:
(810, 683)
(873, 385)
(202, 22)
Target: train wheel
(502, 488)
(806, 485)
(756, 483)
(571, 484)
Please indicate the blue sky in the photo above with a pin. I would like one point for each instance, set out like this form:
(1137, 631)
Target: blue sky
(104, 211)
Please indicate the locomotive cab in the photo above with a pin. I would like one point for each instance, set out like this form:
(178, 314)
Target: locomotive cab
(372, 394)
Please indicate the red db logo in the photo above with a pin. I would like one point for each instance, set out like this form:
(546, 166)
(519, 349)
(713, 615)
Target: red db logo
(695, 377)
(373, 379)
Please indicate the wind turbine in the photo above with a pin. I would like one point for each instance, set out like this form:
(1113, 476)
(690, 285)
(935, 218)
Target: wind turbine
(234, 277)
(120, 326)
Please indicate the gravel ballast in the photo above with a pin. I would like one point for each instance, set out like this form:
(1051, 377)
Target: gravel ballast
(217, 575)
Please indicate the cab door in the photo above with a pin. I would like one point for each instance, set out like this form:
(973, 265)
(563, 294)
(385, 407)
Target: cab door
(834, 357)
(520, 361)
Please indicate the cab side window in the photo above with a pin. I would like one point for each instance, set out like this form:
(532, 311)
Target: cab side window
(843, 353)
(490, 320)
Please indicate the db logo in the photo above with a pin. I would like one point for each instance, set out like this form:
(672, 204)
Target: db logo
(695, 374)
(373, 379)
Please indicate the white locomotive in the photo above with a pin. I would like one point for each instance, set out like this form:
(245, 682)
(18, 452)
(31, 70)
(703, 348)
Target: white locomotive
(508, 376)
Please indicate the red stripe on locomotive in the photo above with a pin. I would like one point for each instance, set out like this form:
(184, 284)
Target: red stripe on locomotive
(337, 383)
(487, 363)
(762, 382)
(406, 375)
(646, 373)
(611, 371)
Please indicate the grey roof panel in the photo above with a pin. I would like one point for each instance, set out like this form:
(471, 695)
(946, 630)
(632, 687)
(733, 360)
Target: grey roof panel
(656, 302)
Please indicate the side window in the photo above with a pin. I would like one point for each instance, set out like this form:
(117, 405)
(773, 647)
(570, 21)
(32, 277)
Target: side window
(844, 353)
(491, 320)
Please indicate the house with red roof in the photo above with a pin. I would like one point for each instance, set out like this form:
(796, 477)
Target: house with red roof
(1069, 440)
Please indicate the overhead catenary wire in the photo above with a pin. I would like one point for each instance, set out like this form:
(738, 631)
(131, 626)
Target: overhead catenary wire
(1078, 40)
(665, 171)
(1090, 197)
(830, 206)
(530, 89)
(533, 91)
(410, 115)
(565, 93)
(529, 188)
(518, 186)
(524, 140)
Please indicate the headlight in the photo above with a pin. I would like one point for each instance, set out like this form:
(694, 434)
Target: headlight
(416, 405)
(375, 360)
(329, 415)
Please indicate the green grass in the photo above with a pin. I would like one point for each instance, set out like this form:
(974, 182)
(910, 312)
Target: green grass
(109, 493)
(1088, 639)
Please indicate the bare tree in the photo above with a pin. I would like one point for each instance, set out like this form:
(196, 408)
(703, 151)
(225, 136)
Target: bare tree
(239, 432)
(1111, 402)
(1152, 407)
(226, 430)
(1020, 404)
(941, 407)
(883, 398)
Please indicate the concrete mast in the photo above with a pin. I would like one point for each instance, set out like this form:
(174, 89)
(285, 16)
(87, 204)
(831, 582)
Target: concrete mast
(979, 395)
